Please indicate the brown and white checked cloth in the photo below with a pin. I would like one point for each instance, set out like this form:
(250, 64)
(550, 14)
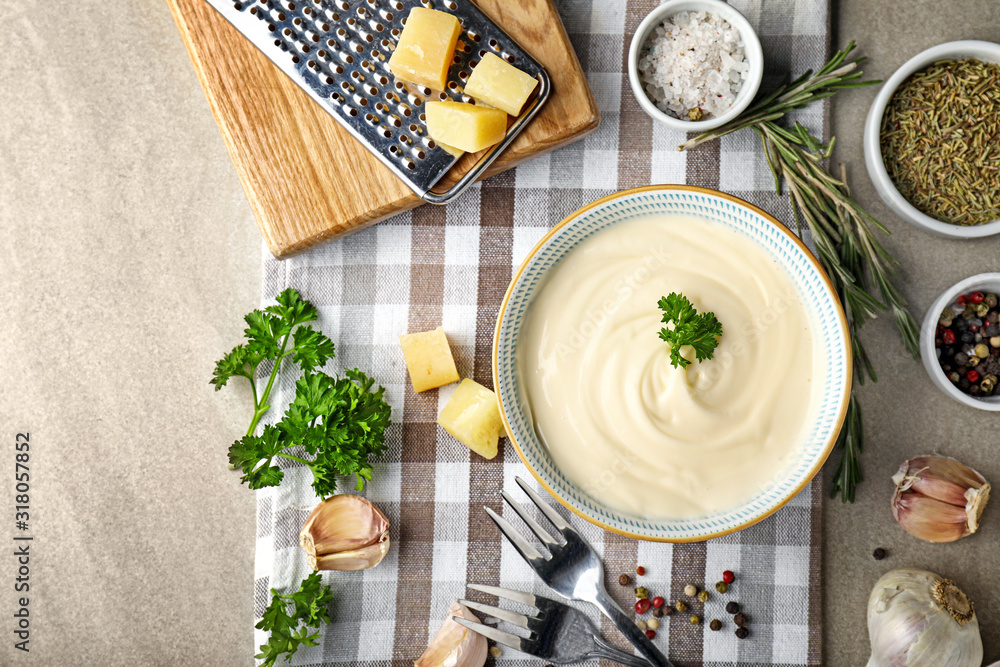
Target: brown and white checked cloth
(451, 266)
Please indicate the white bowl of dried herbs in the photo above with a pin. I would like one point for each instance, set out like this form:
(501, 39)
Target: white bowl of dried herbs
(931, 142)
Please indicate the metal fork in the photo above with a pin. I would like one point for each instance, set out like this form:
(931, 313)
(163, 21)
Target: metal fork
(573, 569)
(559, 633)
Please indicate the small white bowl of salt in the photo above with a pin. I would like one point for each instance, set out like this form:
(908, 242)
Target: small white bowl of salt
(695, 64)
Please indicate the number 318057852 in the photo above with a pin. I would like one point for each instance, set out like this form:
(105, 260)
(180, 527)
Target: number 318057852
(21, 475)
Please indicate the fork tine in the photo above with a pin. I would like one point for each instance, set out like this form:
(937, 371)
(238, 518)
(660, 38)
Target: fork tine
(496, 612)
(528, 552)
(544, 507)
(542, 535)
(499, 636)
(509, 593)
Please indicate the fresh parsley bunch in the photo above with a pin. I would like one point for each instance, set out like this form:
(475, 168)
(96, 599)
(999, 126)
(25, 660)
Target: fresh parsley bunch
(310, 607)
(689, 327)
(339, 422)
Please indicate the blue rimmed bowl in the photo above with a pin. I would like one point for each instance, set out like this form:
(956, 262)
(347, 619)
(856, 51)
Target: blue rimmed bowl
(831, 345)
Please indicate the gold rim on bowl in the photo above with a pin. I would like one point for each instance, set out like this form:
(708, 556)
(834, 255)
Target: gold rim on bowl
(841, 317)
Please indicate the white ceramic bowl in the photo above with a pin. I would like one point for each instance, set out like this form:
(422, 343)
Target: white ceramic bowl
(984, 51)
(830, 342)
(984, 282)
(754, 56)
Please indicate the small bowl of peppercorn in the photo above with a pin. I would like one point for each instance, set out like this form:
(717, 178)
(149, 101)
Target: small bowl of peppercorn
(960, 342)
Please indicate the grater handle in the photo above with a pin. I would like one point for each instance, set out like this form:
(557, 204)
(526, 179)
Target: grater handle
(476, 172)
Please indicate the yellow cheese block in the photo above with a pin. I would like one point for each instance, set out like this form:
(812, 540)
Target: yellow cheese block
(426, 48)
(472, 416)
(464, 126)
(451, 150)
(428, 358)
(499, 84)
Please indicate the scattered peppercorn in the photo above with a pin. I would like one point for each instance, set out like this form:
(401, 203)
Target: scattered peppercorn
(640, 570)
(690, 590)
(732, 607)
(728, 576)
(496, 651)
(695, 619)
(879, 554)
(715, 625)
(667, 611)
(650, 634)
(653, 624)
(740, 619)
(657, 612)
(703, 596)
(642, 606)
(658, 602)
(722, 587)
(624, 580)
(642, 592)
(641, 624)
(742, 633)
(681, 605)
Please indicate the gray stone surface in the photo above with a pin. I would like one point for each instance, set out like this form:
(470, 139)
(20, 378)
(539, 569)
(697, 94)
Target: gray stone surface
(905, 414)
(129, 256)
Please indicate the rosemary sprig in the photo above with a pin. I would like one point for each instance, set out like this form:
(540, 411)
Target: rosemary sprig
(844, 234)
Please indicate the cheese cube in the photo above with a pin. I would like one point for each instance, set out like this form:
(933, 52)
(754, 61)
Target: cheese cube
(426, 48)
(499, 84)
(464, 126)
(451, 150)
(428, 358)
(472, 415)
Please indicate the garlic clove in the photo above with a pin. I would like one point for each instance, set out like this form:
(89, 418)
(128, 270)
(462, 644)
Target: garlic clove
(939, 499)
(345, 532)
(455, 645)
(941, 477)
(931, 520)
(358, 559)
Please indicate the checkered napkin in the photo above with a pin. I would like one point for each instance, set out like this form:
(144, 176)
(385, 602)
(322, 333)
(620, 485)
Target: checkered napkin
(450, 266)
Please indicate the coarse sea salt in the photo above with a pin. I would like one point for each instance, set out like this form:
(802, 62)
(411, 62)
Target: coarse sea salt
(693, 65)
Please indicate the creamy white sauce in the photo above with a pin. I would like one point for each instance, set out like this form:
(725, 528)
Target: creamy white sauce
(624, 425)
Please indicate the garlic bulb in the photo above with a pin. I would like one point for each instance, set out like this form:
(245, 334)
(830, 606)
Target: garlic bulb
(455, 645)
(345, 532)
(918, 619)
(939, 499)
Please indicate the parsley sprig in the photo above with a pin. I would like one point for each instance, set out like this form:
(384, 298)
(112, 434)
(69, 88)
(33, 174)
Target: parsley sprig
(310, 607)
(686, 326)
(339, 422)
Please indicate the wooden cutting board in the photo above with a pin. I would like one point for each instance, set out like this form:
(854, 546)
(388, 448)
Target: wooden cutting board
(307, 179)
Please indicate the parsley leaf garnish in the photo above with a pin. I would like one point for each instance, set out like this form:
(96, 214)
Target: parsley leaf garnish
(686, 326)
(310, 607)
(339, 422)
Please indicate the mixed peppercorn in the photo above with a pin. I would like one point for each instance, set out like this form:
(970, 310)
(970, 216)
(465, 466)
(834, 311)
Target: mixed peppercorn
(968, 344)
(659, 607)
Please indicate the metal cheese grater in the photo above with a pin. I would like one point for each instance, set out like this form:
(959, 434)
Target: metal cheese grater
(337, 51)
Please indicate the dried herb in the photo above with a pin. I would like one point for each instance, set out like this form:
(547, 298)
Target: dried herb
(940, 139)
(845, 235)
